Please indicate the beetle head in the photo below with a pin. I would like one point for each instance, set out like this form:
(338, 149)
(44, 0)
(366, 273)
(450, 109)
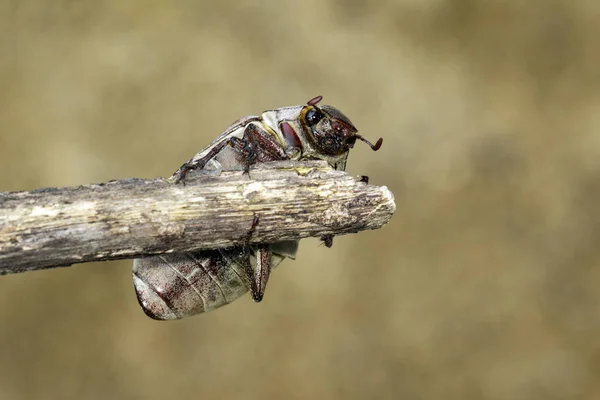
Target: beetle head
(329, 130)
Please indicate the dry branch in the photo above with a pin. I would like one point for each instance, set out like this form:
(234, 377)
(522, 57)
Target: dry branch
(53, 227)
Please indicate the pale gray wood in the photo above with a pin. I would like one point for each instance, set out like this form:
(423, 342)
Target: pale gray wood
(53, 227)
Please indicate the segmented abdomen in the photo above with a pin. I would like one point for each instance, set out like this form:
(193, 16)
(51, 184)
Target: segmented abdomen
(173, 286)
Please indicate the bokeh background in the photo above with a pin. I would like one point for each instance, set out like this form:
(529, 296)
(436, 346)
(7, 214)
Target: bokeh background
(483, 286)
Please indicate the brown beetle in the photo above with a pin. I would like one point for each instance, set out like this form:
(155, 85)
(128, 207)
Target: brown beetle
(172, 286)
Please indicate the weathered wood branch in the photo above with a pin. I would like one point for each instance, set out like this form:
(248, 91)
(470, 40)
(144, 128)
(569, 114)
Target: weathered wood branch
(53, 227)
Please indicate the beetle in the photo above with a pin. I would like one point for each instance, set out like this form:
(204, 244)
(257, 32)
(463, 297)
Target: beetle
(178, 285)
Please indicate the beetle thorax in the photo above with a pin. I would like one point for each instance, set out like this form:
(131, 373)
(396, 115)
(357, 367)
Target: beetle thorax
(295, 139)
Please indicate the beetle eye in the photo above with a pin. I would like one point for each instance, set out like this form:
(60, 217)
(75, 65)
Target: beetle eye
(313, 116)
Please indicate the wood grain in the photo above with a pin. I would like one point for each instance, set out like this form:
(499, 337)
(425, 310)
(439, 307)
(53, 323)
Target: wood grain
(128, 218)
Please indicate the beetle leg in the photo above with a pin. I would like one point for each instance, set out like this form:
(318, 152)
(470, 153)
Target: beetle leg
(197, 164)
(258, 278)
(257, 145)
(263, 271)
(265, 144)
(327, 240)
(255, 219)
(247, 151)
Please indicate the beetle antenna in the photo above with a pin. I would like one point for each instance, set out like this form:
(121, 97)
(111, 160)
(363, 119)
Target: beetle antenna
(374, 147)
(314, 100)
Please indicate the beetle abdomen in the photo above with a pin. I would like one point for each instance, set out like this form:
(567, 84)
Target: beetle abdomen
(173, 286)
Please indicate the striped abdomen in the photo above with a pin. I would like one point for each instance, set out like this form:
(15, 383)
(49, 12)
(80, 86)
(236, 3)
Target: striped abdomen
(173, 286)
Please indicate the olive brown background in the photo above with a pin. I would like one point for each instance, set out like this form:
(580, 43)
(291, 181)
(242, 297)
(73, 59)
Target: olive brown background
(484, 285)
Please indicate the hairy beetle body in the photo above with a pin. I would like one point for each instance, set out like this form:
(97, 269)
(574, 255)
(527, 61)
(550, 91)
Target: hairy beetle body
(172, 286)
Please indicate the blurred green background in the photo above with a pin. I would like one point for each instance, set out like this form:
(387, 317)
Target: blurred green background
(483, 285)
